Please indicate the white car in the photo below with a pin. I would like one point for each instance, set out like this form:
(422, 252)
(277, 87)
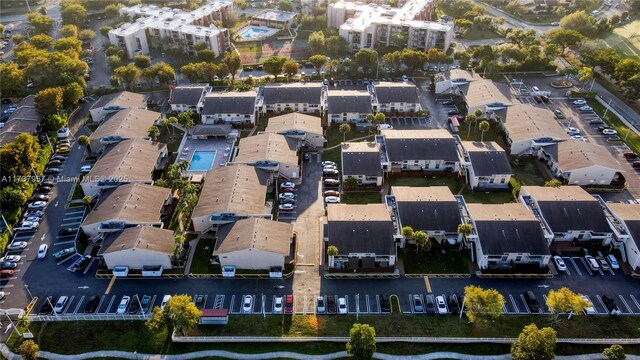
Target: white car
(585, 108)
(85, 169)
(165, 300)
(17, 245)
(579, 102)
(287, 185)
(320, 307)
(61, 304)
(592, 262)
(27, 225)
(342, 306)
(286, 207)
(441, 305)
(535, 88)
(2, 294)
(589, 309)
(329, 163)
(11, 258)
(613, 262)
(574, 130)
(32, 219)
(609, 132)
(124, 303)
(247, 302)
(405, 78)
(63, 133)
(286, 196)
(332, 199)
(560, 265)
(277, 305)
(37, 205)
(329, 167)
(42, 251)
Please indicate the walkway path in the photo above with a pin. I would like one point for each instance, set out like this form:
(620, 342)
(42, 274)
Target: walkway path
(351, 140)
(280, 354)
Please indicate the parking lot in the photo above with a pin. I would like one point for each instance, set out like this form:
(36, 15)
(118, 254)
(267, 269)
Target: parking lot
(409, 123)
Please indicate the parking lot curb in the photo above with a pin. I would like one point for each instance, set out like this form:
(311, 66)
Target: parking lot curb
(522, 276)
(237, 276)
(362, 276)
(453, 276)
(140, 277)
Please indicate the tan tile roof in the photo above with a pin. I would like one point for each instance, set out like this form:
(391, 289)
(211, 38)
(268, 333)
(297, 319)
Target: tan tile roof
(482, 91)
(417, 134)
(268, 146)
(143, 238)
(131, 122)
(367, 212)
(560, 193)
(128, 160)
(122, 98)
(359, 147)
(131, 202)
(528, 122)
(235, 189)
(295, 121)
(25, 113)
(254, 234)
(472, 146)
(574, 154)
(625, 211)
(430, 193)
(500, 212)
(19, 126)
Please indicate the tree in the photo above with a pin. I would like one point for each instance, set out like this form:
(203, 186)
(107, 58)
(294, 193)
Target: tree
(414, 59)
(49, 101)
(514, 7)
(362, 341)
(563, 38)
(207, 55)
(566, 301)
(318, 61)
(553, 183)
(19, 155)
(114, 61)
(399, 39)
(69, 31)
(142, 61)
(180, 313)
(179, 244)
(128, 74)
(579, 21)
(470, 119)
(633, 5)
(112, 10)
(17, 39)
(86, 35)
(585, 74)
(465, 229)
(367, 59)
(614, 352)
(378, 118)
(332, 251)
(84, 140)
(273, 65)
(71, 94)
(41, 41)
(336, 46)
(285, 5)
(482, 305)
(422, 241)
(344, 129)
(29, 350)
(316, 42)
(185, 119)
(68, 44)
(55, 122)
(534, 344)
(104, 30)
(463, 58)
(626, 69)
(463, 24)
(290, 68)
(350, 183)
(615, 19)
(73, 13)
(551, 51)
(87, 200)
(233, 63)
(484, 126)
(13, 196)
(153, 132)
(407, 232)
(41, 24)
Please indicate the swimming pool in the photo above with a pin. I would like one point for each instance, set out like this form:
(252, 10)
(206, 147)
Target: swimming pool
(202, 160)
(251, 32)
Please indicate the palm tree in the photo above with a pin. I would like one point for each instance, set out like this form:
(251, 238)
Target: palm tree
(344, 129)
(465, 229)
(407, 231)
(179, 242)
(470, 118)
(422, 241)
(172, 120)
(350, 183)
(185, 120)
(165, 123)
(484, 126)
(378, 119)
(86, 200)
(84, 140)
(478, 113)
(331, 252)
(153, 132)
(553, 183)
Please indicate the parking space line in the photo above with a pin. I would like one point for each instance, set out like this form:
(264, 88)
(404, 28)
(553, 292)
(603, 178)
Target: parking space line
(366, 298)
(576, 266)
(78, 306)
(606, 309)
(515, 306)
(100, 303)
(584, 262)
(233, 298)
(526, 306)
(567, 271)
(624, 302)
(68, 304)
(633, 298)
(64, 242)
(504, 308)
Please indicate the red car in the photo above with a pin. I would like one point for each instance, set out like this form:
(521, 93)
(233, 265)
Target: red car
(6, 273)
(288, 304)
(630, 155)
(286, 190)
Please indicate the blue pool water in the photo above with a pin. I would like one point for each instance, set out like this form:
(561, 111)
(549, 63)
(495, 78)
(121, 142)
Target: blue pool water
(202, 160)
(254, 32)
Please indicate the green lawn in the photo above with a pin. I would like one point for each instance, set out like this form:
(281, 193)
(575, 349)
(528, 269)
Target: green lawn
(633, 140)
(92, 127)
(361, 198)
(494, 197)
(434, 262)
(452, 182)
(527, 172)
(77, 190)
(172, 140)
(476, 135)
(476, 34)
(625, 40)
(200, 261)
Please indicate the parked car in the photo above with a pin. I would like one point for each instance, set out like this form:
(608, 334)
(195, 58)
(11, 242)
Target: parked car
(602, 127)
(288, 304)
(431, 306)
(27, 226)
(11, 258)
(80, 264)
(286, 207)
(92, 305)
(630, 155)
(454, 305)
(442, 306)
(67, 231)
(330, 172)
(579, 102)
(611, 305)
(609, 132)
(17, 245)
(60, 158)
(42, 251)
(613, 262)
(287, 195)
(124, 303)
(537, 98)
(560, 265)
(417, 303)
(64, 253)
(589, 310)
(5, 273)
(559, 114)
(7, 265)
(385, 304)
(329, 163)
(342, 306)
(43, 190)
(144, 304)
(278, 305)
(320, 307)
(330, 167)
(585, 108)
(288, 185)
(286, 190)
(199, 301)
(31, 219)
(592, 263)
(332, 199)
(287, 200)
(37, 205)
(331, 304)
(135, 305)
(331, 193)
(596, 122)
(34, 213)
(165, 301)
(247, 304)
(61, 304)
(453, 112)
(532, 301)
(331, 182)
(63, 133)
(85, 169)
(63, 150)
(46, 307)
(448, 102)
(604, 265)
(40, 197)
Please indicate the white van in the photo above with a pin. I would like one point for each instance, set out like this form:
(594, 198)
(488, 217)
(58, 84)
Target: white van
(385, 127)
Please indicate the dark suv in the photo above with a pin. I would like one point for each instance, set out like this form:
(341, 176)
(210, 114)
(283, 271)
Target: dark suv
(385, 304)
(331, 304)
(532, 301)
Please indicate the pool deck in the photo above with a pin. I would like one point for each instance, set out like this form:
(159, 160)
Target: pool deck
(220, 146)
(265, 33)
